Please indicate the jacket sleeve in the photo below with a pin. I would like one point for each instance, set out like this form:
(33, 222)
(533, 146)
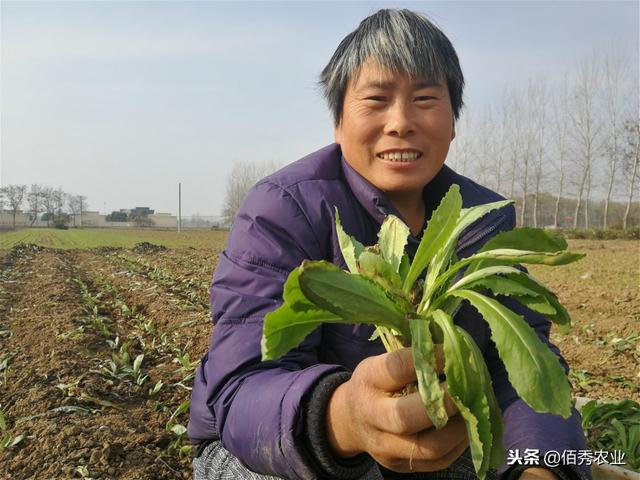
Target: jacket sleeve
(257, 405)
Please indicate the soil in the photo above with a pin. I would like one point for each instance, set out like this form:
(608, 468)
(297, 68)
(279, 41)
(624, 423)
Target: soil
(72, 322)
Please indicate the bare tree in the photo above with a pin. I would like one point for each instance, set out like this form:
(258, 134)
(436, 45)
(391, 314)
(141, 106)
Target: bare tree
(463, 145)
(35, 199)
(522, 144)
(614, 70)
(15, 196)
(48, 202)
(59, 200)
(631, 161)
(537, 93)
(484, 150)
(560, 131)
(512, 114)
(243, 176)
(77, 206)
(499, 145)
(587, 131)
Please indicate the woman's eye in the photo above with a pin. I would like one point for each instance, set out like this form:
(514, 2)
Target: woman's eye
(376, 98)
(424, 98)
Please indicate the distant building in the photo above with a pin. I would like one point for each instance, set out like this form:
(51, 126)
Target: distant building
(6, 218)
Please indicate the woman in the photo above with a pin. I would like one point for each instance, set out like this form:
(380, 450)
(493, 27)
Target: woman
(325, 410)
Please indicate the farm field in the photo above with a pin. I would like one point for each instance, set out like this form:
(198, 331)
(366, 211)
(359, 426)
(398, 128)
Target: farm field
(111, 237)
(98, 345)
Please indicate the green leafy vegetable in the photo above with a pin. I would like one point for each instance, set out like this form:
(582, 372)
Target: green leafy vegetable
(384, 288)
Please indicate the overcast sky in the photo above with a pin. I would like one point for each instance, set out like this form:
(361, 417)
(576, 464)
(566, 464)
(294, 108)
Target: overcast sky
(120, 101)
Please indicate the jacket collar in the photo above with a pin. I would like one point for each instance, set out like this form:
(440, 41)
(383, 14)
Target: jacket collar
(378, 205)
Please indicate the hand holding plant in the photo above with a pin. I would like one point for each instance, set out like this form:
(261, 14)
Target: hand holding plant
(386, 290)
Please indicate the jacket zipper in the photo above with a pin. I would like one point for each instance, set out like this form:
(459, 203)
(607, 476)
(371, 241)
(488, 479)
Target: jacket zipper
(484, 233)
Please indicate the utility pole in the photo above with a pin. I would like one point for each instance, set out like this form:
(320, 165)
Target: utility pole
(179, 206)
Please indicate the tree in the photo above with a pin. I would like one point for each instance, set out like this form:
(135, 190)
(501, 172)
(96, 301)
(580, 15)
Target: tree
(59, 199)
(587, 131)
(77, 205)
(538, 114)
(14, 195)
(48, 202)
(631, 163)
(614, 70)
(243, 176)
(35, 199)
(560, 137)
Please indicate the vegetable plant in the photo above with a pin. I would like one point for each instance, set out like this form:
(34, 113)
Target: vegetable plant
(614, 427)
(412, 303)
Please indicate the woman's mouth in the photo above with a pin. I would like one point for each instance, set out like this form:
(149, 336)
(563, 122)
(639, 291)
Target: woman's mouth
(403, 157)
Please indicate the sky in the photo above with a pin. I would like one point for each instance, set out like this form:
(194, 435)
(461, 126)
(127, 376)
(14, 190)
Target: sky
(120, 101)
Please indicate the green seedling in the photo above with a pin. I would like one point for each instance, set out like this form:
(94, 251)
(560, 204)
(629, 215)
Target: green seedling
(385, 289)
(154, 391)
(7, 440)
(186, 365)
(583, 378)
(614, 427)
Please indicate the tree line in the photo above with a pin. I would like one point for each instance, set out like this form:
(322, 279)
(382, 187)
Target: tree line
(576, 140)
(53, 205)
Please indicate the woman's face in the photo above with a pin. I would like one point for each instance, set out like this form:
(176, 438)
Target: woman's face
(395, 130)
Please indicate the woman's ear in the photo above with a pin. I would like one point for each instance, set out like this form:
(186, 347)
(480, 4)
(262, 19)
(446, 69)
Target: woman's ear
(337, 134)
(453, 130)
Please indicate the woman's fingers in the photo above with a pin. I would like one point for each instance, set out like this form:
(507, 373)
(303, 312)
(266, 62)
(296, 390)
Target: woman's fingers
(391, 371)
(428, 450)
(407, 415)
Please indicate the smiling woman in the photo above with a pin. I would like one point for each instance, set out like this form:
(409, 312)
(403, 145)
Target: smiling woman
(395, 132)
(328, 409)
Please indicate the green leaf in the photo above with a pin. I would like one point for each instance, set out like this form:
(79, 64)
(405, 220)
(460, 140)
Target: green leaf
(285, 328)
(355, 298)
(537, 304)
(349, 246)
(470, 386)
(533, 239)
(439, 228)
(513, 285)
(392, 239)
(404, 267)
(507, 255)
(496, 455)
(424, 359)
(178, 429)
(560, 316)
(446, 254)
(377, 268)
(534, 370)
(490, 276)
(137, 363)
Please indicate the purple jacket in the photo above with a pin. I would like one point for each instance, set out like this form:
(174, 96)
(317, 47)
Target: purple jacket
(255, 407)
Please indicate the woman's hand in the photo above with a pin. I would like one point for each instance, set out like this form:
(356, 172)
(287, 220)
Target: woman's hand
(364, 416)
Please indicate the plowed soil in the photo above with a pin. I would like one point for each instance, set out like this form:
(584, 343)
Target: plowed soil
(72, 322)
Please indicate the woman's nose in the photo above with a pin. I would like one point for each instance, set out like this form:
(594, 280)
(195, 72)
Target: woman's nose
(399, 120)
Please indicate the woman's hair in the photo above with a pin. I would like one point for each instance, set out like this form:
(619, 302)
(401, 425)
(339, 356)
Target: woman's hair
(401, 40)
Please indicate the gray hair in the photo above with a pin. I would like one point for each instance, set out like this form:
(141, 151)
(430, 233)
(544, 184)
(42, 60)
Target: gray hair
(401, 40)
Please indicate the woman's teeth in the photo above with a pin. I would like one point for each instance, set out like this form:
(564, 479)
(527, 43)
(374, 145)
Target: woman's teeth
(400, 156)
